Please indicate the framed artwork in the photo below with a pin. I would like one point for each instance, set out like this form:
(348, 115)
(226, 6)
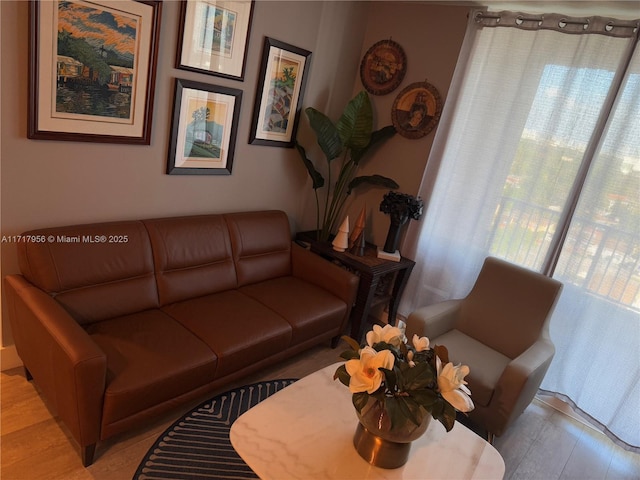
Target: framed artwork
(92, 68)
(214, 36)
(416, 110)
(279, 95)
(204, 126)
(383, 67)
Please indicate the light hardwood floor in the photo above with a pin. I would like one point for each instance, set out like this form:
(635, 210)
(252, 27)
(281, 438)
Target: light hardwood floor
(543, 444)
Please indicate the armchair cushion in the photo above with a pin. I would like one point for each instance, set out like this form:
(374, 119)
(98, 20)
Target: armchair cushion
(486, 364)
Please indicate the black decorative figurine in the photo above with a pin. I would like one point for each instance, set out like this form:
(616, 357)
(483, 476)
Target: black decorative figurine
(401, 207)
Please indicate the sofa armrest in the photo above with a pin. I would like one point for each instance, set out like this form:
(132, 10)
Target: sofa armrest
(69, 368)
(321, 272)
(519, 383)
(433, 320)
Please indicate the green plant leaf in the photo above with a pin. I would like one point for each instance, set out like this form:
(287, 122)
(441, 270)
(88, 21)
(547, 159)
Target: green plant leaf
(377, 137)
(410, 409)
(389, 378)
(326, 133)
(396, 417)
(360, 400)
(425, 397)
(448, 416)
(356, 123)
(342, 375)
(349, 355)
(375, 180)
(316, 176)
(420, 376)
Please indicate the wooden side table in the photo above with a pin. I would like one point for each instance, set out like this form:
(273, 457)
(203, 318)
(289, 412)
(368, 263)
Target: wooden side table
(373, 273)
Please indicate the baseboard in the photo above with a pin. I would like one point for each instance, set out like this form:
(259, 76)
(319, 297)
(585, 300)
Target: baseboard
(9, 358)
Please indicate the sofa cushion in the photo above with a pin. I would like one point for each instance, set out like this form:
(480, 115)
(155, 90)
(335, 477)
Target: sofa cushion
(192, 256)
(310, 310)
(261, 243)
(86, 267)
(151, 359)
(240, 330)
(489, 364)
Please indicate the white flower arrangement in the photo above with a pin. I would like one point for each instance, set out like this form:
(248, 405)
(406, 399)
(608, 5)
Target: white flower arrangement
(410, 381)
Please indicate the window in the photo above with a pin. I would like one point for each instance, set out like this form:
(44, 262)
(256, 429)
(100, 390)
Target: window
(537, 160)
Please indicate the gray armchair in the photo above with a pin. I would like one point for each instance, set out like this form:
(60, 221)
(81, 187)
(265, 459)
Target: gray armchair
(501, 331)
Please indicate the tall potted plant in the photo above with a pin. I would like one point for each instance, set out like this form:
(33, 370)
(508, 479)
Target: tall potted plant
(350, 138)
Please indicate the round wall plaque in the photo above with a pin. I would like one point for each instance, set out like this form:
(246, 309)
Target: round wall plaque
(383, 67)
(416, 110)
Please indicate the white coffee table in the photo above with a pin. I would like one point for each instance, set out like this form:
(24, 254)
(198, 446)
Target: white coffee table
(305, 431)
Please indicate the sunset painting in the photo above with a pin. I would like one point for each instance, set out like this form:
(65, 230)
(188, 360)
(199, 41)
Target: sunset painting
(96, 61)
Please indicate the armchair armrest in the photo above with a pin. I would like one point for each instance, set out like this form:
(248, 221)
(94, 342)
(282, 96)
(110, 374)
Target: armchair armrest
(519, 383)
(433, 320)
(67, 365)
(321, 272)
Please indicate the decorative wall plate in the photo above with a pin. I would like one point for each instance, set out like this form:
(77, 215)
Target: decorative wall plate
(416, 110)
(383, 67)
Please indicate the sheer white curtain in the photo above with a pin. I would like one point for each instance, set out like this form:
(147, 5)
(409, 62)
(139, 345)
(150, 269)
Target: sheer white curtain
(536, 160)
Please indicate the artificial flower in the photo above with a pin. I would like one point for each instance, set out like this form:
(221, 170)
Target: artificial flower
(420, 343)
(388, 334)
(453, 386)
(405, 379)
(364, 371)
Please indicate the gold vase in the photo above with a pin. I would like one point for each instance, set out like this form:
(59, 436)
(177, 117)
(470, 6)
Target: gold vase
(378, 443)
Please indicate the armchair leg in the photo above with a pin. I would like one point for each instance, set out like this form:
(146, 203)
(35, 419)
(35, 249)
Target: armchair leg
(27, 374)
(87, 454)
(335, 340)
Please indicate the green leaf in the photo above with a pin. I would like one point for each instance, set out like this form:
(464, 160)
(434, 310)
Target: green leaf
(349, 355)
(425, 397)
(360, 400)
(389, 379)
(420, 376)
(376, 137)
(356, 123)
(342, 375)
(396, 416)
(316, 177)
(375, 180)
(410, 409)
(326, 133)
(448, 416)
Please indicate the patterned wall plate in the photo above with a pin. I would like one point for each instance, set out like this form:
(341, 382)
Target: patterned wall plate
(383, 67)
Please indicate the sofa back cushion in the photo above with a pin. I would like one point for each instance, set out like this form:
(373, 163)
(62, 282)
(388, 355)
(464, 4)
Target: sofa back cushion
(192, 256)
(261, 243)
(94, 271)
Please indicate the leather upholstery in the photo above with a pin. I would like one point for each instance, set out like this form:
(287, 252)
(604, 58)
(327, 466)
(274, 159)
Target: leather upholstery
(238, 329)
(261, 245)
(117, 332)
(501, 331)
(85, 276)
(192, 256)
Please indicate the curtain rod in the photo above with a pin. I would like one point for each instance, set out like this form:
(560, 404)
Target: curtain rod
(557, 22)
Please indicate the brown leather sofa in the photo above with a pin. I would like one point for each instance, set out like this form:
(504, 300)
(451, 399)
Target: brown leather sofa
(119, 322)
